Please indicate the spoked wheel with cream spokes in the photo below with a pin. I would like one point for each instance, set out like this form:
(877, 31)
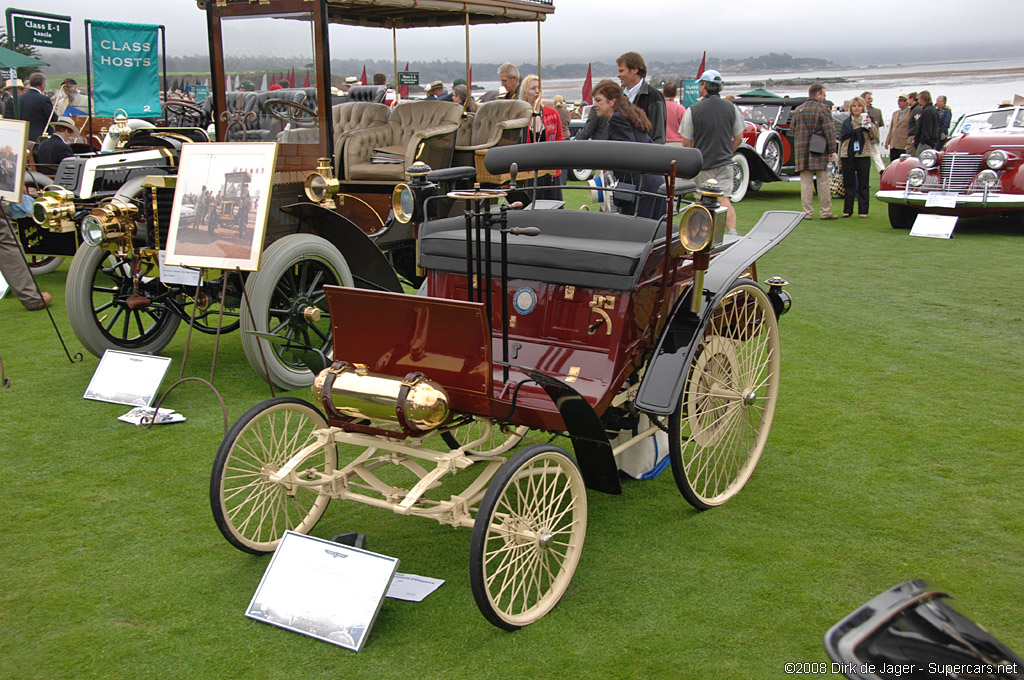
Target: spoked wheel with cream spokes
(725, 412)
(528, 536)
(251, 509)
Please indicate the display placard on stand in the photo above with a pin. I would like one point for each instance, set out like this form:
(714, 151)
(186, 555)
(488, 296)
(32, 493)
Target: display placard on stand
(4, 286)
(127, 378)
(328, 591)
(934, 226)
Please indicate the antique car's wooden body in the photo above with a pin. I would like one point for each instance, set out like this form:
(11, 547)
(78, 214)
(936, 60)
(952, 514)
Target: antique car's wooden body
(531, 323)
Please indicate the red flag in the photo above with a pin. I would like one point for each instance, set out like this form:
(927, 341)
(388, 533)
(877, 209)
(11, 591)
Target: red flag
(291, 78)
(306, 84)
(403, 90)
(588, 86)
(700, 71)
(273, 79)
(362, 79)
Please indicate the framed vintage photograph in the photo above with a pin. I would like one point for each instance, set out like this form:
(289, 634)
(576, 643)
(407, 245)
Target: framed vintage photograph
(127, 378)
(13, 143)
(219, 215)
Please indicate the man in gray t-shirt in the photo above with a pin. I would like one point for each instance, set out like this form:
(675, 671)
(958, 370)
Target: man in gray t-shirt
(715, 127)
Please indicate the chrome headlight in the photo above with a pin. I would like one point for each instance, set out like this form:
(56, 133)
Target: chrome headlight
(92, 230)
(403, 203)
(321, 185)
(55, 209)
(929, 159)
(113, 219)
(996, 159)
(916, 177)
(987, 179)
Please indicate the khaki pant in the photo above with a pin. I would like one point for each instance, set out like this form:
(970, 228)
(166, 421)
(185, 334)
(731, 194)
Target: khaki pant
(14, 269)
(807, 178)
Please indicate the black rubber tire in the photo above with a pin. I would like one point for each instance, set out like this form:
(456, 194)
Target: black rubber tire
(292, 274)
(902, 216)
(97, 282)
(531, 532)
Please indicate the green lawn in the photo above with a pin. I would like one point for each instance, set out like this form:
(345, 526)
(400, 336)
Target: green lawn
(895, 454)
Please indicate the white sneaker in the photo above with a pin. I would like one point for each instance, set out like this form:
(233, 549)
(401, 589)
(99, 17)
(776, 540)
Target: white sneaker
(733, 232)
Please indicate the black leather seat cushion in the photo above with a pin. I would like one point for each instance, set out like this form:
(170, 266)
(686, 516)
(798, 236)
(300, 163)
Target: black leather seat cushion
(590, 249)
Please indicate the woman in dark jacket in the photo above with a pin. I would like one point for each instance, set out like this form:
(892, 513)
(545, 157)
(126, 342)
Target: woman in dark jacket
(629, 123)
(856, 138)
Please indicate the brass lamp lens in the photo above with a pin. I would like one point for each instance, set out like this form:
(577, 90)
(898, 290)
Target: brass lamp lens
(316, 188)
(695, 228)
(92, 230)
(402, 203)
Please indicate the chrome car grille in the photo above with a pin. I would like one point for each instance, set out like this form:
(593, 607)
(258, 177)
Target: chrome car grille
(959, 169)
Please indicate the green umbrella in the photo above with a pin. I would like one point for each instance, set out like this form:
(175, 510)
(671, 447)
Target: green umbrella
(759, 92)
(12, 59)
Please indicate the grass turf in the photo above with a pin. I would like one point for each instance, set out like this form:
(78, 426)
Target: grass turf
(895, 454)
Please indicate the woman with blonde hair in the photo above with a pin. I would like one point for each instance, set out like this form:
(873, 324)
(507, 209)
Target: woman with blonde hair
(546, 126)
(856, 138)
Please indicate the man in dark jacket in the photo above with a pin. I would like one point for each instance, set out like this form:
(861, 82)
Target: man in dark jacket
(914, 113)
(927, 134)
(55, 148)
(34, 106)
(632, 74)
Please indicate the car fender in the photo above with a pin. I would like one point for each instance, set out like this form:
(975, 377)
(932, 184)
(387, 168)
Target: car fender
(666, 372)
(370, 268)
(759, 170)
(35, 178)
(895, 174)
(589, 440)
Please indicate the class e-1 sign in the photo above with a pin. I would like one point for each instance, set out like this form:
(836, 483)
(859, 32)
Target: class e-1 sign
(42, 32)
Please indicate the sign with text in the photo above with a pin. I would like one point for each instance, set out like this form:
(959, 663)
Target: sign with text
(934, 226)
(125, 69)
(408, 77)
(691, 92)
(30, 29)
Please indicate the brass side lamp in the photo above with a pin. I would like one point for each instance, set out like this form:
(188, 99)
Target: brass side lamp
(54, 209)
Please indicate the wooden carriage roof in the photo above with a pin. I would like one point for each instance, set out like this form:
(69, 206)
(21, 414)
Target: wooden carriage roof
(416, 13)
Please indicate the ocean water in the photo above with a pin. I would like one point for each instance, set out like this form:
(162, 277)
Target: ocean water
(968, 86)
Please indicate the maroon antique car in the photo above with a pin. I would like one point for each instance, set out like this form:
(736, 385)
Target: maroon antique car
(535, 326)
(977, 173)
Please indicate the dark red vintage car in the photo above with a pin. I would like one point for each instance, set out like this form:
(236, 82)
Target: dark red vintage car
(767, 148)
(977, 173)
(535, 326)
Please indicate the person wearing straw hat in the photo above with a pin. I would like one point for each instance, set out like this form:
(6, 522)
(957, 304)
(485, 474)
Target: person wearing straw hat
(55, 148)
(12, 88)
(435, 90)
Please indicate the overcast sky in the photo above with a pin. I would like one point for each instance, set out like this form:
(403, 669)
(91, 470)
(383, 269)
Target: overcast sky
(600, 30)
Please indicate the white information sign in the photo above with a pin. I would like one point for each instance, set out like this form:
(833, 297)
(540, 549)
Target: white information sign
(127, 378)
(941, 199)
(183, 276)
(413, 588)
(934, 226)
(322, 589)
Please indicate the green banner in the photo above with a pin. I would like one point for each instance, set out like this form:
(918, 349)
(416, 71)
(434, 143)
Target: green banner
(691, 92)
(125, 66)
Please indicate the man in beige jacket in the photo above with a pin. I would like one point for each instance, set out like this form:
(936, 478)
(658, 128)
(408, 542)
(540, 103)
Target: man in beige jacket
(896, 140)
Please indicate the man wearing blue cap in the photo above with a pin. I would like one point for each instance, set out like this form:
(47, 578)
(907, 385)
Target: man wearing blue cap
(715, 127)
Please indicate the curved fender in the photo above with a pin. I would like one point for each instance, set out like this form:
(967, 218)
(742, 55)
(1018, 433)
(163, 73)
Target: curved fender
(589, 440)
(666, 372)
(759, 170)
(370, 269)
(37, 178)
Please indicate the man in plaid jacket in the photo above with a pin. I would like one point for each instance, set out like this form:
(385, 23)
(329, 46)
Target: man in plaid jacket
(814, 118)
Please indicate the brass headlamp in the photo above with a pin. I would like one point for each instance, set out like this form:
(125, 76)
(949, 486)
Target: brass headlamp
(702, 228)
(407, 195)
(120, 130)
(113, 219)
(54, 209)
(321, 185)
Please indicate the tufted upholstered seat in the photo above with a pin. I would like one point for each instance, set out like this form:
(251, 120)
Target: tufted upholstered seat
(595, 250)
(408, 125)
(487, 127)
